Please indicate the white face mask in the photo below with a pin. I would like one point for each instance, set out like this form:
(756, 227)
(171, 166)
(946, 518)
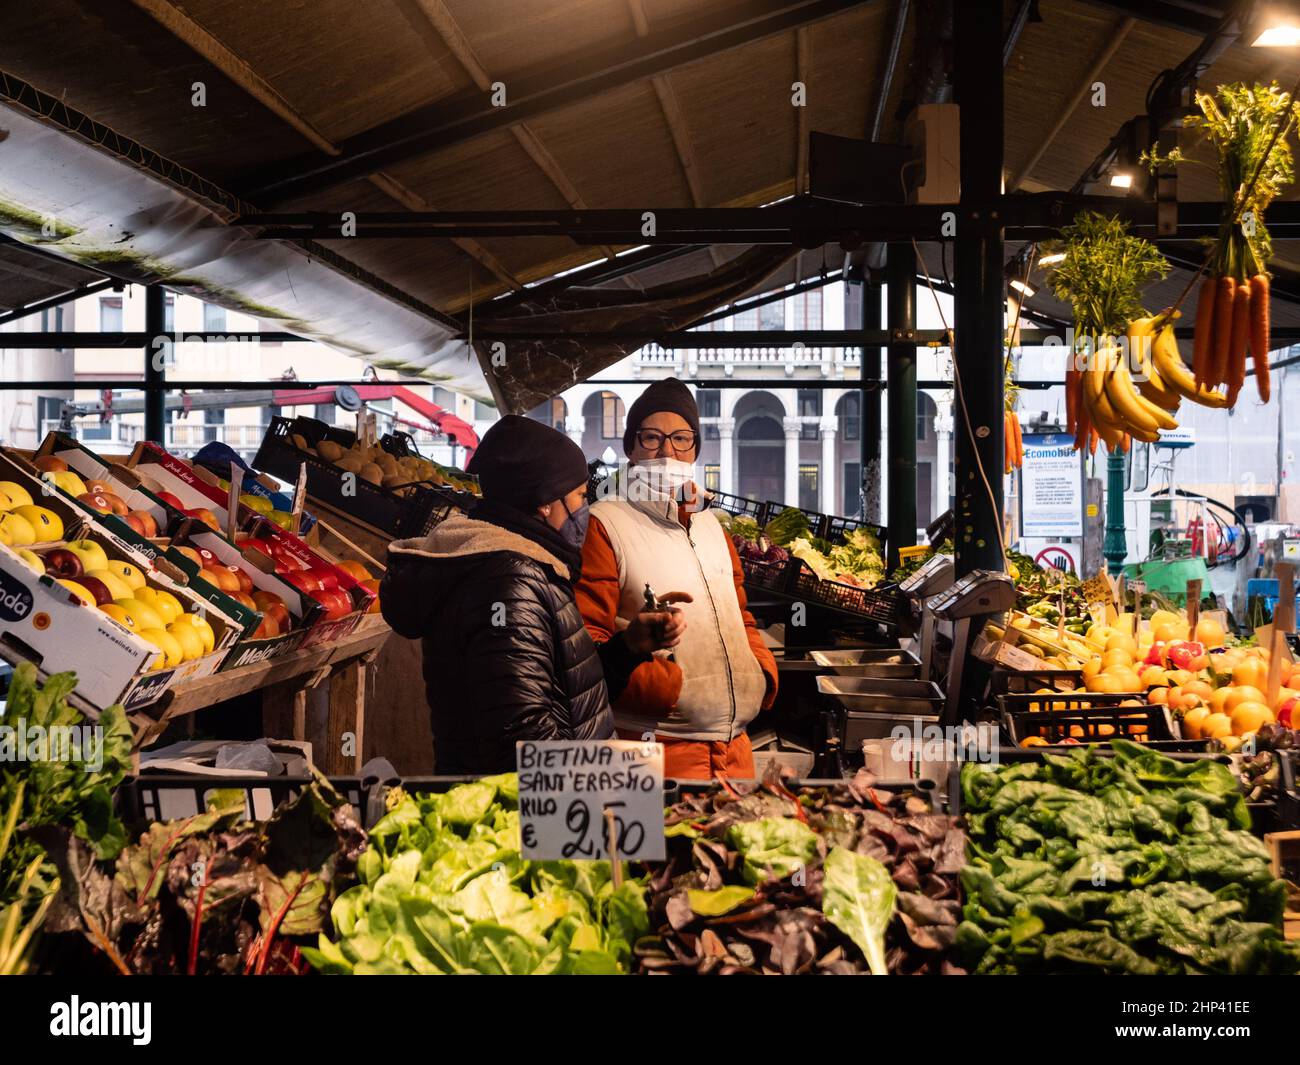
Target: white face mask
(662, 478)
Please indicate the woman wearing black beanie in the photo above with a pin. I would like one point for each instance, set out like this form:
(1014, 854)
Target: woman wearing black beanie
(506, 656)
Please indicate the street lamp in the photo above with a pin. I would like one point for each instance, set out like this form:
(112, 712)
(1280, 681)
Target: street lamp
(1279, 27)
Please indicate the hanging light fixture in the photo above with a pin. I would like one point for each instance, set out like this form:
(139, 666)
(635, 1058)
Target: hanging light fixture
(1051, 260)
(1121, 179)
(1278, 27)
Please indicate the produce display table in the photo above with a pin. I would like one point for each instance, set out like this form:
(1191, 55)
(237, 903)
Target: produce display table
(284, 683)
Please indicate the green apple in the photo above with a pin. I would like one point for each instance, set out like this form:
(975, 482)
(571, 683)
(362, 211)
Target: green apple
(258, 503)
(32, 559)
(282, 518)
(91, 554)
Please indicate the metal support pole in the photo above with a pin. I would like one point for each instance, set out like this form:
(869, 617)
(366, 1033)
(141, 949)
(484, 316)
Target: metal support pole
(862, 311)
(1116, 544)
(155, 374)
(901, 358)
(979, 289)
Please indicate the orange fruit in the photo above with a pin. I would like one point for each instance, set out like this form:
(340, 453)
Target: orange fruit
(1168, 631)
(1251, 672)
(1127, 680)
(1091, 668)
(1199, 687)
(1247, 717)
(1033, 741)
(1209, 632)
(1122, 641)
(1193, 720)
(1216, 726)
(1154, 676)
(1118, 657)
(1245, 693)
(1158, 695)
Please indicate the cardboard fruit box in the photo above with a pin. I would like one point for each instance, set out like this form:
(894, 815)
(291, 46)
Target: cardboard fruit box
(126, 485)
(44, 622)
(290, 549)
(195, 487)
(159, 573)
(249, 649)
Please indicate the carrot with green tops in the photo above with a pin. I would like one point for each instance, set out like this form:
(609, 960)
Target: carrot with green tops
(1224, 297)
(1203, 335)
(1240, 337)
(1259, 333)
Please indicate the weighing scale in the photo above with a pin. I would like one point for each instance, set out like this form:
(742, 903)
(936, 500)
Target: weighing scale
(933, 576)
(953, 613)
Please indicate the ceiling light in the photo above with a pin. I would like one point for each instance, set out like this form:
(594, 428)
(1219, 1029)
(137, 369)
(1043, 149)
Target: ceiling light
(1020, 286)
(1055, 257)
(1280, 35)
(1121, 179)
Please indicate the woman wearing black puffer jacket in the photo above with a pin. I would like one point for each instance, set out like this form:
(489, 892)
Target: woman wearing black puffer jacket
(506, 654)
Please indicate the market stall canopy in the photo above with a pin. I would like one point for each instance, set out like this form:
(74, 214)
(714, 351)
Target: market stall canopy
(189, 115)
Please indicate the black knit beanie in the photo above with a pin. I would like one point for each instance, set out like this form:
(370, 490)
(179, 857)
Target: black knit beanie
(522, 463)
(666, 395)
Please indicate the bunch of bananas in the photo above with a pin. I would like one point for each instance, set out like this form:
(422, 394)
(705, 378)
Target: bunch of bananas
(1166, 379)
(1118, 396)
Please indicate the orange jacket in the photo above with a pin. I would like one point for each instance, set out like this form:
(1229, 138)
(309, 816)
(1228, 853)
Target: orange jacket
(654, 686)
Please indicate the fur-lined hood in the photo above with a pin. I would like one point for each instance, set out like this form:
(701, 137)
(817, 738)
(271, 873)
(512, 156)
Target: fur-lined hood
(460, 536)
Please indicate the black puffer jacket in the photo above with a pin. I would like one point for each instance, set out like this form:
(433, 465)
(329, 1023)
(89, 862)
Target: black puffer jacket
(506, 655)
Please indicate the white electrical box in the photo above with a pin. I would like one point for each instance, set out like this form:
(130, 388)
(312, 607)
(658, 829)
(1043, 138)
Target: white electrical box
(933, 132)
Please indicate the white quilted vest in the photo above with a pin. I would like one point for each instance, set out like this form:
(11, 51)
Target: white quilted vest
(722, 684)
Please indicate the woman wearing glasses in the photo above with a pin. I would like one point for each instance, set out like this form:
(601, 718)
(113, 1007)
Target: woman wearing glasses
(656, 530)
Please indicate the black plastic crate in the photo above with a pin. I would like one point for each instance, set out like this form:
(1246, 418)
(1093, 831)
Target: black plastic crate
(883, 604)
(167, 796)
(740, 506)
(1027, 681)
(836, 528)
(411, 510)
(1090, 717)
(765, 576)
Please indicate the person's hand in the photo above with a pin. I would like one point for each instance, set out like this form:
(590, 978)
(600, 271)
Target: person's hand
(651, 631)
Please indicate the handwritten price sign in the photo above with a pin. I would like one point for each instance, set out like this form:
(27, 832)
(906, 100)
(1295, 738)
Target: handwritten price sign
(565, 787)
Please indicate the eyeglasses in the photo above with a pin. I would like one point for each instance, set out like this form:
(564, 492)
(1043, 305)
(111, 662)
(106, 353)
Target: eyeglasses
(653, 439)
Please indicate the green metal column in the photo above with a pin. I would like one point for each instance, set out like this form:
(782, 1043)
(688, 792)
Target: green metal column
(979, 301)
(155, 374)
(1115, 546)
(870, 425)
(900, 296)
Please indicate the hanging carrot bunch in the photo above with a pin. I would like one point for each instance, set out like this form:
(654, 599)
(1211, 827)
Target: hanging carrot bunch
(1013, 441)
(1247, 126)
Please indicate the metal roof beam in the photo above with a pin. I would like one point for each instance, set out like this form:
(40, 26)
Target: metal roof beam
(575, 78)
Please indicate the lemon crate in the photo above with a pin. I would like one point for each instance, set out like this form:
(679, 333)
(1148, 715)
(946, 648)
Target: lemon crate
(1090, 717)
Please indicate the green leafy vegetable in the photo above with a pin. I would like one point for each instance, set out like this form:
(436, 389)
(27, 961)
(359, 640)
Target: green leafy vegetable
(772, 847)
(858, 897)
(444, 890)
(716, 903)
(1135, 863)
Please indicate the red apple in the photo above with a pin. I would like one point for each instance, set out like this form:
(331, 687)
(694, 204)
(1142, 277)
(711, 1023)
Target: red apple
(1286, 713)
(192, 555)
(147, 520)
(304, 581)
(49, 463)
(273, 606)
(337, 604)
(325, 576)
(245, 581)
(268, 628)
(171, 500)
(133, 520)
(96, 501)
(258, 544)
(63, 563)
(97, 588)
(206, 516)
(245, 598)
